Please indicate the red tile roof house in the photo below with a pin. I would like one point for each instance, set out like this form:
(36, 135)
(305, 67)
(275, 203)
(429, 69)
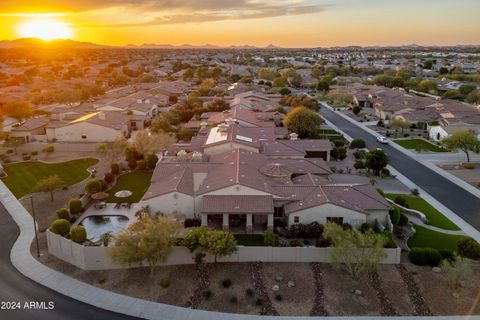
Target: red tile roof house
(241, 189)
(92, 127)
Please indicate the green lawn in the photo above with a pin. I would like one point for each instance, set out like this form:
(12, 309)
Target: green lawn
(23, 177)
(250, 240)
(428, 238)
(435, 217)
(327, 131)
(414, 143)
(137, 182)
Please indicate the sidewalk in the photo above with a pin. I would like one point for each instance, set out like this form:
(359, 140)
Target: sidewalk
(462, 224)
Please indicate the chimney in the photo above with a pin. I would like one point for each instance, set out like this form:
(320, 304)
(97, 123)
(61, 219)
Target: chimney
(293, 136)
(101, 116)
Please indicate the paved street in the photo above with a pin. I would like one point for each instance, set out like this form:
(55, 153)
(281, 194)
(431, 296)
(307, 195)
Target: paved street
(463, 203)
(14, 287)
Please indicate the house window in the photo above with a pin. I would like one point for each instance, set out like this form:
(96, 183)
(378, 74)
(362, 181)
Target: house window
(296, 219)
(337, 220)
(84, 136)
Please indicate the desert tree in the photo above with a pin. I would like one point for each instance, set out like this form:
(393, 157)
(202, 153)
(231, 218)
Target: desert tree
(354, 251)
(49, 184)
(150, 239)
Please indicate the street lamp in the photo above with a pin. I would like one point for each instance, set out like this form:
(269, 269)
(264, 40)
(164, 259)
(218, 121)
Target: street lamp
(34, 224)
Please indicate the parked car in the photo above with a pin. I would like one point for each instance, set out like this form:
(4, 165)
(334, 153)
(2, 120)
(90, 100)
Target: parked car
(382, 139)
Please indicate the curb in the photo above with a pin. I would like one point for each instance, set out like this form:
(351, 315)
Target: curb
(462, 224)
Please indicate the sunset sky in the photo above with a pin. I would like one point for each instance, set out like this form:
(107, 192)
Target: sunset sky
(287, 23)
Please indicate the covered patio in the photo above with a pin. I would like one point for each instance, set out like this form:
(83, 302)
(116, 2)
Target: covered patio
(238, 214)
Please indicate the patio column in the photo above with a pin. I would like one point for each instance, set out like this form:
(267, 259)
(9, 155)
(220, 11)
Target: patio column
(249, 223)
(270, 221)
(225, 222)
(205, 220)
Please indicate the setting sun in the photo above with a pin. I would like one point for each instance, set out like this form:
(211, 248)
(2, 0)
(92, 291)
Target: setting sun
(44, 28)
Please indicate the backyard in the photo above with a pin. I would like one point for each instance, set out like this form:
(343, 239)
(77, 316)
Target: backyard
(136, 182)
(435, 217)
(23, 177)
(424, 145)
(424, 238)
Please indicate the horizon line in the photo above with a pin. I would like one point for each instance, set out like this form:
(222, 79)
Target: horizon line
(243, 45)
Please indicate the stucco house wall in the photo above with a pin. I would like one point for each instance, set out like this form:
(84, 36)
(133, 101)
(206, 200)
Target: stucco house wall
(173, 201)
(320, 214)
(93, 133)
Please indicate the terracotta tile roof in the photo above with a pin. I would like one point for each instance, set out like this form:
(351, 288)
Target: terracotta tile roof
(32, 124)
(256, 204)
(357, 197)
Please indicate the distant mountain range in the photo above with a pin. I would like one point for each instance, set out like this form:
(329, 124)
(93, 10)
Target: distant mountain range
(189, 46)
(72, 44)
(39, 43)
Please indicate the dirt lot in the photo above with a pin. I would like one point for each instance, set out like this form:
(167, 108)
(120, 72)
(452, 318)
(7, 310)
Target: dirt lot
(444, 300)
(338, 286)
(297, 300)
(241, 280)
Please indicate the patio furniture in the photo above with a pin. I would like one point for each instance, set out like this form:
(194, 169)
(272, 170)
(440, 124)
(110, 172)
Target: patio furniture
(117, 205)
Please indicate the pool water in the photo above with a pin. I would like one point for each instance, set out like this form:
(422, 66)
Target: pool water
(98, 225)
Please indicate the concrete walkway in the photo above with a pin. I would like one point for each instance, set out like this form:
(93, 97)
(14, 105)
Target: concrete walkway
(419, 222)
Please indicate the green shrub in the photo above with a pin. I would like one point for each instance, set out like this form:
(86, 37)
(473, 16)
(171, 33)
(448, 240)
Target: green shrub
(151, 161)
(389, 241)
(208, 294)
(295, 243)
(258, 302)
(403, 220)
(357, 144)
(233, 300)
(269, 238)
(447, 255)
(359, 164)
(115, 168)
(469, 248)
(401, 200)
(385, 172)
(415, 192)
(141, 165)
(165, 283)
(75, 206)
(78, 234)
(366, 227)
(395, 215)
(132, 164)
(359, 154)
(339, 142)
(63, 213)
(313, 230)
(278, 297)
(226, 283)
(249, 292)
(93, 186)
(60, 226)
(468, 166)
(417, 256)
(425, 256)
(432, 256)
